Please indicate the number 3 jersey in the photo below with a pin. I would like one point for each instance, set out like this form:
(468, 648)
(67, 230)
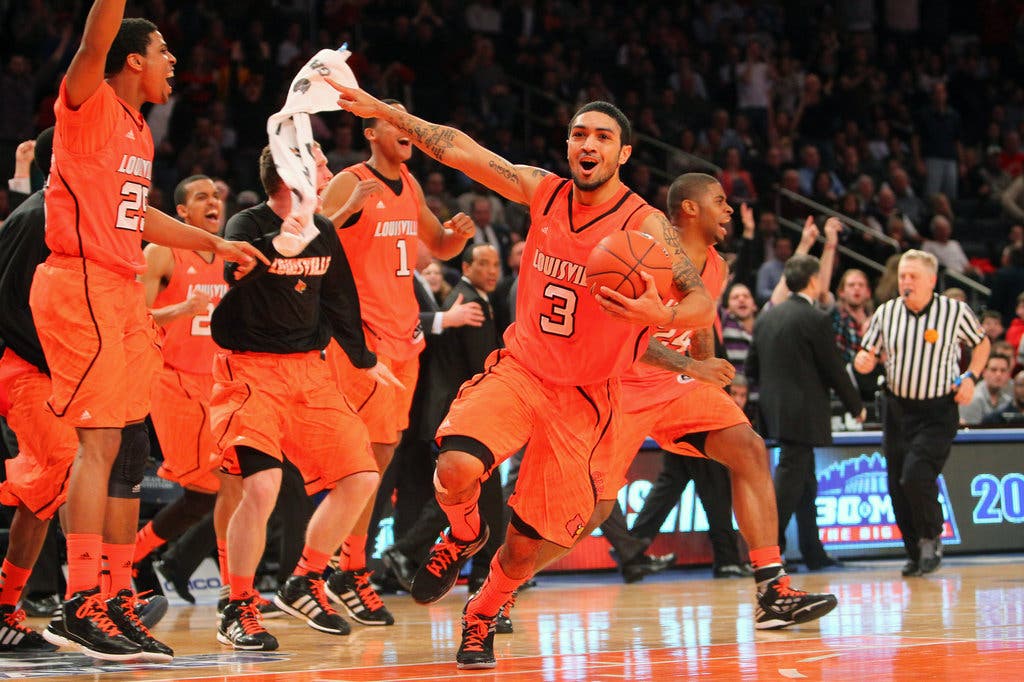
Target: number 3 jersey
(645, 385)
(99, 181)
(382, 247)
(561, 333)
(188, 345)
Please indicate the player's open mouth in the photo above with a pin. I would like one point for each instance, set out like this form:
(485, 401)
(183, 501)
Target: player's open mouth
(588, 164)
(213, 216)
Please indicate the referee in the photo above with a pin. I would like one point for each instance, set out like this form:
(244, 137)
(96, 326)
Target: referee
(920, 335)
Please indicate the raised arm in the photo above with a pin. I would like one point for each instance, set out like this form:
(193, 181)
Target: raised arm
(696, 310)
(87, 66)
(449, 146)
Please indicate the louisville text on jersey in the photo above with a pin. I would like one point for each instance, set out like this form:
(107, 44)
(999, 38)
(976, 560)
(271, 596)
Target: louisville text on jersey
(558, 268)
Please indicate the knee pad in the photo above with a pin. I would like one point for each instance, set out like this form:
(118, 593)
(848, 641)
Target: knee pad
(252, 461)
(129, 468)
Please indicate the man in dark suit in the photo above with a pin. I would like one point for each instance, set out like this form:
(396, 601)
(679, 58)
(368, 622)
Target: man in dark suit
(795, 361)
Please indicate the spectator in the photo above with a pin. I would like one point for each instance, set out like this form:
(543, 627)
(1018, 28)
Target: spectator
(810, 156)
(737, 182)
(769, 274)
(992, 323)
(1015, 334)
(948, 251)
(936, 144)
(992, 394)
(1011, 158)
(754, 80)
(906, 201)
(1012, 413)
(1012, 199)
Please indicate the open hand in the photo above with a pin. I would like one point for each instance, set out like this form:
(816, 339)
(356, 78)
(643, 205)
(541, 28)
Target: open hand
(646, 310)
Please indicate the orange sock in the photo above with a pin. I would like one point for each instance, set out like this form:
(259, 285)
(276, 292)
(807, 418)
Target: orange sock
(222, 559)
(14, 578)
(765, 556)
(496, 590)
(464, 518)
(241, 586)
(146, 540)
(119, 566)
(353, 553)
(312, 562)
(84, 560)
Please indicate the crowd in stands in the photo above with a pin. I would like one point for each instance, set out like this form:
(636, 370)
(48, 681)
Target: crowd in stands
(905, 116)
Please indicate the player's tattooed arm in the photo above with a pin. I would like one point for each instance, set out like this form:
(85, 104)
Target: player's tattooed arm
(684, 273)
(712, 370)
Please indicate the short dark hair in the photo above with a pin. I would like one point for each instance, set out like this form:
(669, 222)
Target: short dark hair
(469, 252)
(269, 178)
(608, 109)
(372, 122)
(991, 315)
(44, 151)
(686, 186)
(1000, 356)
(131, 38)
(798, 271)
(181, 191)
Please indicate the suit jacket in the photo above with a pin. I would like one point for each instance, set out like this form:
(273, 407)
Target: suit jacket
(795, 361)
(428, 309)
(459, 353)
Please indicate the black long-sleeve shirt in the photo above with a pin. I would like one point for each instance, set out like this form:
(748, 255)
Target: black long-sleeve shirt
(296, 304)
(22, 248)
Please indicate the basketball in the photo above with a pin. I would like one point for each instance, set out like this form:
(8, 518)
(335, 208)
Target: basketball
(618, 259)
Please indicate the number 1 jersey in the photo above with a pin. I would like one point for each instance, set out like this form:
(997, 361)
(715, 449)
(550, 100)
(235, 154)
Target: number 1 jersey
(561, 333)
(381, 248)
(99, 181)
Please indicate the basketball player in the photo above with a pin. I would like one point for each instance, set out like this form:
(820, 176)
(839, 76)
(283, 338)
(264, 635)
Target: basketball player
(699, 419)
(90, 313)
(273, 393)
(556, 383)
(379, 210)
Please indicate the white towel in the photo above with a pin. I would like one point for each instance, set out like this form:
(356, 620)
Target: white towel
(291, 138)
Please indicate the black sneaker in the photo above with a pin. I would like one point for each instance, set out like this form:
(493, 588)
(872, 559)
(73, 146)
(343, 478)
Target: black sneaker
(911, 569)
(241, 627)
(43, 606)
(304, 598)
(931, 554)
(151, 608)
(267, 608)
(55, 633)
(503, 622)
(780, 605)
(123, 608)
(352, 589)
(400, 566)
(87, 624)
(439, 572)
(477, 648)
(18, 638)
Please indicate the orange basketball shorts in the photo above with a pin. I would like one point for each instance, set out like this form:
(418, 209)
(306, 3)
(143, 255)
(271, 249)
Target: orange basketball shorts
(181, 418)
(562, 475)
(287, 404)
(384, 409)
(100, 341)
(701, 409)
(38, 477)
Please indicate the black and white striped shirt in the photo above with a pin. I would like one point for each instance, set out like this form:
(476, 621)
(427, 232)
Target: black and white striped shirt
(922, 349)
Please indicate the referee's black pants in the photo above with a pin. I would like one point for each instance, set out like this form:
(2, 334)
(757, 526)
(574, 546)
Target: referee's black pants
(917, 438)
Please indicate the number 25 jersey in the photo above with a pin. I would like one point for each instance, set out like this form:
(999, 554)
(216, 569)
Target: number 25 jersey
(561, 333)
(99, 182)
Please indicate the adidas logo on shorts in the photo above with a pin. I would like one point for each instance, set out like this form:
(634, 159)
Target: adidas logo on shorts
(85, 416)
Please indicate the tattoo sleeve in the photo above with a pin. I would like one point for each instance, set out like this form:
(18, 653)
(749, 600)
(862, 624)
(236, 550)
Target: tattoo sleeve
(702, 344)
(660, 356)
(434, 139)
(684, 273)
(505, 170)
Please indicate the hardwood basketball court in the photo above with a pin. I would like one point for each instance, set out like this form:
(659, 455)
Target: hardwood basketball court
(963, 623)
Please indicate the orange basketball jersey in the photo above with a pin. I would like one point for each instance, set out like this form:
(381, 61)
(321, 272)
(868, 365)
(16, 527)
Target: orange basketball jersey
(561, 333)
(381, 249)
(99, 182)
(188, 346)
(644, 385)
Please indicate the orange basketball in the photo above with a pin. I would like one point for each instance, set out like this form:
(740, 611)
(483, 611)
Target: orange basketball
(618, 259)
